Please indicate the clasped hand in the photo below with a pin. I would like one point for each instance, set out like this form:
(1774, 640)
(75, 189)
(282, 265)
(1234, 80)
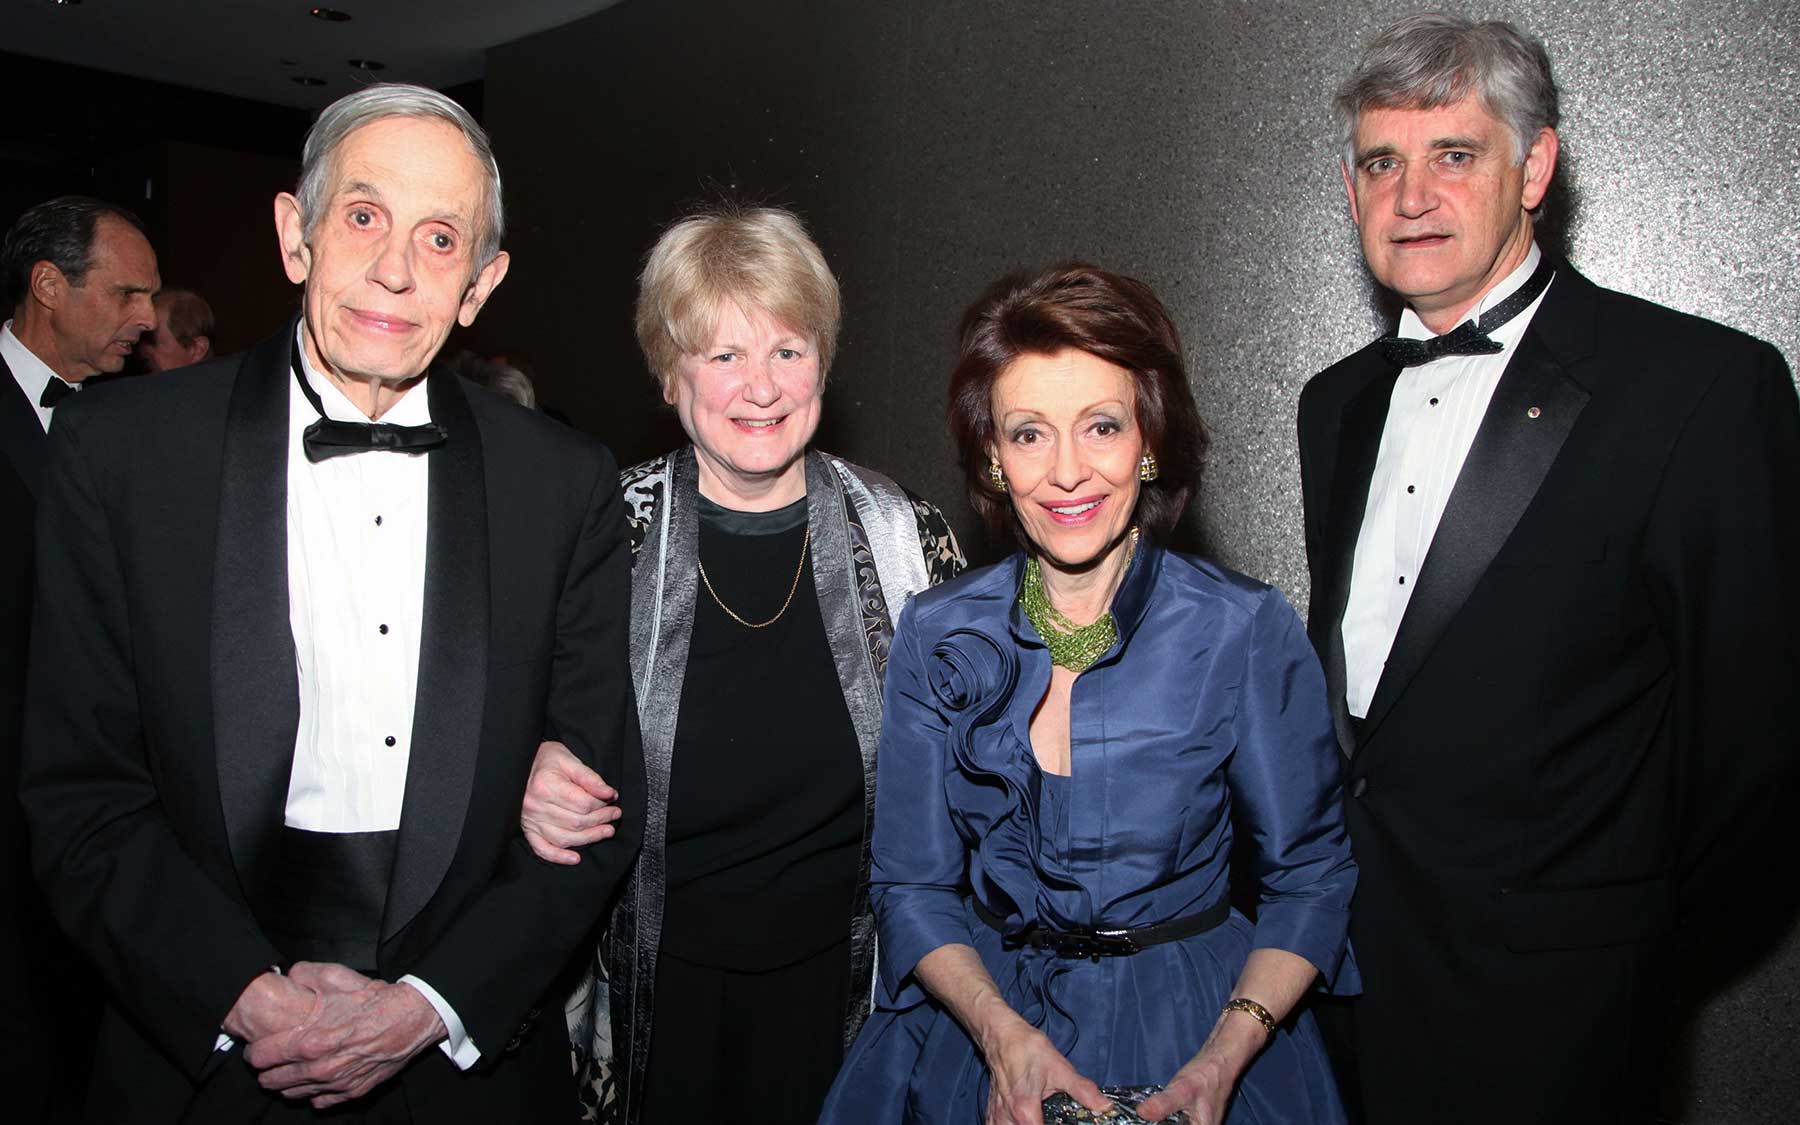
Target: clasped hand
(1024, 1068)
(567, 805)
(329, 1034)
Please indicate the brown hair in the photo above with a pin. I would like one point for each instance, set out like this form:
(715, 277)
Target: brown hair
(1109, 316)
(190, 317)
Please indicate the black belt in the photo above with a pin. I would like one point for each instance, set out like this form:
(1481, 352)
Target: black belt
(1106, 943)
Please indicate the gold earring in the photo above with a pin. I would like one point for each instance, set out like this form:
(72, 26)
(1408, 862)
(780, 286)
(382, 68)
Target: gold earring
(1147, 468)
(995, 475)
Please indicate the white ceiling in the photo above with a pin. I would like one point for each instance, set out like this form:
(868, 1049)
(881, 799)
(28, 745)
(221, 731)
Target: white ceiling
(238, 46)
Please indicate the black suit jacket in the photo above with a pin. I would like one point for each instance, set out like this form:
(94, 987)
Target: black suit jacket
(27, 1055)
(1587, 712)
(22, 454)
(163, 707)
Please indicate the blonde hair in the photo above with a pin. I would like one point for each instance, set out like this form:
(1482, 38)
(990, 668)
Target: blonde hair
(760, 259)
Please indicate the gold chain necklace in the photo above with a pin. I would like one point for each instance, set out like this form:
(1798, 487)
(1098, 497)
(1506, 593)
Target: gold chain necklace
(805, 542)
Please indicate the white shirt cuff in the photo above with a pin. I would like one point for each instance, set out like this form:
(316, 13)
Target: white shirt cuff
(224, 1042)
(457, 1046)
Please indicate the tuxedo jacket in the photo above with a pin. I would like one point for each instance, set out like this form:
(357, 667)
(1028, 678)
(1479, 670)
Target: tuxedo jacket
(1589, 709)
(163, 705)
(26, 1054)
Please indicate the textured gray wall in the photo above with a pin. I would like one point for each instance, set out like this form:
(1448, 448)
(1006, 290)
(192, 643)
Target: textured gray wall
(934, 144)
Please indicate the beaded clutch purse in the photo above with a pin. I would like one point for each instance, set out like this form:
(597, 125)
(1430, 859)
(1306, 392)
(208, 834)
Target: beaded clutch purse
(1061, 1109)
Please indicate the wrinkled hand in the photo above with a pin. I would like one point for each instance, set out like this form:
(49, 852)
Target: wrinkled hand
(1203, 1087)
(1024, 1069)
(567, 805)
(360, 1034)
(269, 1004)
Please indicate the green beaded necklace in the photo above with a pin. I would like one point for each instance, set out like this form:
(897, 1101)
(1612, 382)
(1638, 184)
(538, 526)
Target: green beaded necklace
(1071, 646)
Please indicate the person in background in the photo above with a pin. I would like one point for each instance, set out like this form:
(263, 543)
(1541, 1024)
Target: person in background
(183, 334)
(1554, 538)
(766, 582)
(1078, 742)
(80, 273)
(495, 376)
(514, 384)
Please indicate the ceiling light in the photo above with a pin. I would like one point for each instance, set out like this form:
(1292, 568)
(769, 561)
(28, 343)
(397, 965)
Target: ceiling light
(368, 64)
(306, 80)
(330, 15)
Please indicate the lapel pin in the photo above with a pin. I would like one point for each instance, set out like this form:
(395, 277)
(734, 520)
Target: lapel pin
(1533, 412)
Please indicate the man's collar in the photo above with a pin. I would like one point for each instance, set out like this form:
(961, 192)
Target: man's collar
(412, 408)
(1412, 328)
(31, 373)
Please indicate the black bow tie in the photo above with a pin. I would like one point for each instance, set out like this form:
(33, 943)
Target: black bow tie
(329, 437)
(54, 392)
(1469, 338)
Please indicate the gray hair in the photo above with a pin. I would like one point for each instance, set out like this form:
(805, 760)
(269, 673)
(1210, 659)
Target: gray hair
(1433, 60)
(514, 384)
(392, 99)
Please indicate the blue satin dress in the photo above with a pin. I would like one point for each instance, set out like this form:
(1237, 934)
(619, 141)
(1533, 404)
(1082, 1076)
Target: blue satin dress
(1205, 721)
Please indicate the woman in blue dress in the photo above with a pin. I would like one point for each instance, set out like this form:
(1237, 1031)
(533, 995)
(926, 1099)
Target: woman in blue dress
(1074, 741)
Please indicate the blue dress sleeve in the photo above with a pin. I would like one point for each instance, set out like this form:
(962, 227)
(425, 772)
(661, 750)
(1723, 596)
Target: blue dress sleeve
(919, 863)
(1286, 786)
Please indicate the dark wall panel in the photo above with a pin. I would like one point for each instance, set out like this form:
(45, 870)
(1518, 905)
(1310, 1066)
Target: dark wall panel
(935, 144)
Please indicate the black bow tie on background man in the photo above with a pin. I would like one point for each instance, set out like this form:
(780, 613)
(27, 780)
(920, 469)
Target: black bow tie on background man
(1469, 338)
(54, 392)
(329, 437)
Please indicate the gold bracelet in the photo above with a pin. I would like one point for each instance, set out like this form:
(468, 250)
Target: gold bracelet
(1252, 1009)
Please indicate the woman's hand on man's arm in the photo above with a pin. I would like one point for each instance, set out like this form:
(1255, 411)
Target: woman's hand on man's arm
(567, 805)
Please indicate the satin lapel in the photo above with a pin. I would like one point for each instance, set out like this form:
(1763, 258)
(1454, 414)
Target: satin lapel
(453, 660)
(1364, 418)
(255, 686)
(22, 437)
(1531, 414)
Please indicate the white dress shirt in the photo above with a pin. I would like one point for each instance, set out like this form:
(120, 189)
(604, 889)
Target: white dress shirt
(356, 592)
(31, 373)
(1431, 423)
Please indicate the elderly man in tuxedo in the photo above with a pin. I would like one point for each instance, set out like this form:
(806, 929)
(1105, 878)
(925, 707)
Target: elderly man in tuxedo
(303, 616)
(1554, 537)
(80, 274)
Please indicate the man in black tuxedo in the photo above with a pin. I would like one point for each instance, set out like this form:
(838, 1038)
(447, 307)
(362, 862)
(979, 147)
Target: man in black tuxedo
(1554, 559)
(80, 275)
(303, 617)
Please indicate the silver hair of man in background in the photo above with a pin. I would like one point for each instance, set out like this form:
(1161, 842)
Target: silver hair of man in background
(1432, 60)
(392, 99)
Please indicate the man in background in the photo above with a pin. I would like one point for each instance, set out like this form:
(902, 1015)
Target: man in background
(79, 274)
(1554, 540)
(182, 335)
